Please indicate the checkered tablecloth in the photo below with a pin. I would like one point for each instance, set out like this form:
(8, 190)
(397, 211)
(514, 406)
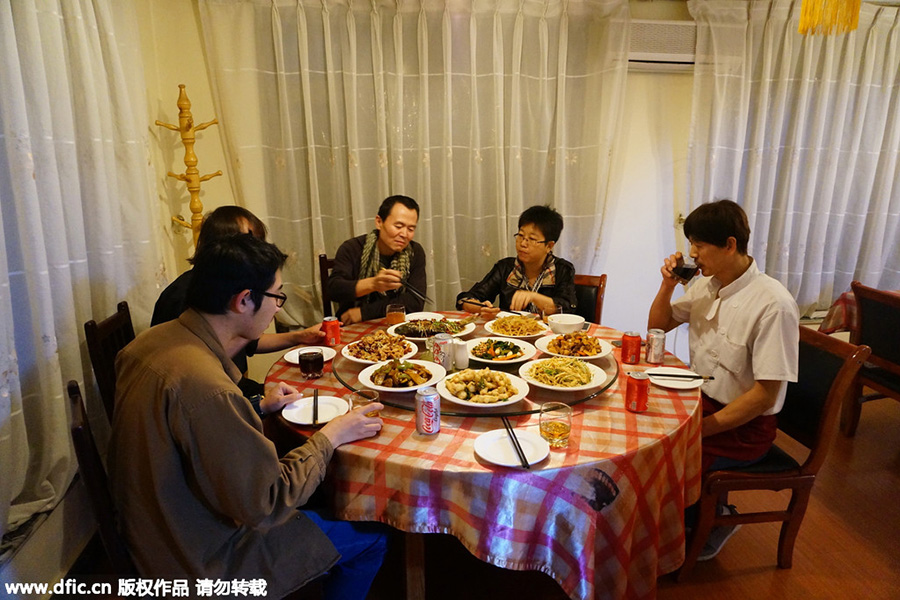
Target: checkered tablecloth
(603, 517)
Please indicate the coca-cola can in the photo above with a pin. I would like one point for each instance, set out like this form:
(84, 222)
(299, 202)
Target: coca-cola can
(332, 328)
(428, 411)
(631, 347)
(637, 391)
(656, 346)
(442, 350)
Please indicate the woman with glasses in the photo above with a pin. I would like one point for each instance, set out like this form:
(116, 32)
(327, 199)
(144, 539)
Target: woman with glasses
(534, 280)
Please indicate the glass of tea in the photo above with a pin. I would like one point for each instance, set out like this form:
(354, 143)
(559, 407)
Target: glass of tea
(364, 397)
(556, 423)
(685, 268)
(396, 313)
(312, 363)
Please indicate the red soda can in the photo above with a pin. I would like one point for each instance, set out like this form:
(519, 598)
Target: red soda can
(428, 411)
(332, 328)
(631, 347)
(637, 391)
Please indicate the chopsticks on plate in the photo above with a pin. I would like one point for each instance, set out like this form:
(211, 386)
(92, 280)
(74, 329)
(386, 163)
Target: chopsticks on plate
(315, 419)
(682, 376)
(515, 442)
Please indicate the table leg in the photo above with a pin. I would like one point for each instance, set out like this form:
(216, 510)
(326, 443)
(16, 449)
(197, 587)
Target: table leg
(415, 565)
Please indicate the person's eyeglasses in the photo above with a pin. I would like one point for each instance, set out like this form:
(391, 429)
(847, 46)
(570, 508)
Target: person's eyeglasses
(280, 299)
(526, 241)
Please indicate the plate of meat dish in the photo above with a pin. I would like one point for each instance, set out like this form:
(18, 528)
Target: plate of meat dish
(401, 375)
(379, 347)
(577, 344)
(422, 329)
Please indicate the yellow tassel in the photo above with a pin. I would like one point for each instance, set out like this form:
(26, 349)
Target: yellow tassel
(828, 16)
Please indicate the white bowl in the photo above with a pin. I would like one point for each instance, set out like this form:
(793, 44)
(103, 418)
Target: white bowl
(565, 323)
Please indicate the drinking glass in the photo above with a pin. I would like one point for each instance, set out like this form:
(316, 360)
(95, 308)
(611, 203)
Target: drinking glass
(364, 397)
(312, 363)
(556, 423)
(396, 313)
(685, 268)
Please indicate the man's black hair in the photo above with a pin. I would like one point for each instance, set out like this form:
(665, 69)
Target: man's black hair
(227, 266)
(715, 222)
(388, 205)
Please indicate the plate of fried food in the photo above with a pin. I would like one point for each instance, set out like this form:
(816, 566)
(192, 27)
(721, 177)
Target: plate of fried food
(563, 374)
(379, 347)
(422, 329)
(516, 326)
(482, 388)
(578, 344)
(500, 350)
(401, 375)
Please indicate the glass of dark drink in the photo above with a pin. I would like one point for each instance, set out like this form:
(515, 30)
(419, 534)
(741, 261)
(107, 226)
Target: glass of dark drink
(312, 363)
(685, 269)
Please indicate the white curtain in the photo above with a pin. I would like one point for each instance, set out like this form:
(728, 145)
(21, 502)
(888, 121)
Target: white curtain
(76, 195)
(475, 109)
(804, 133)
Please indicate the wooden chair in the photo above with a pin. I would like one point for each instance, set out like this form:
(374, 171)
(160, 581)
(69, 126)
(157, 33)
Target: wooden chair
(325, 266)
(104, 340)
(878, 324)
(827, 370)
(94, 476)
(589, 293)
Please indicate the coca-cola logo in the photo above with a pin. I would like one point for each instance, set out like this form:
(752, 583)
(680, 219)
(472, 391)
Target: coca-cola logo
(429, 417)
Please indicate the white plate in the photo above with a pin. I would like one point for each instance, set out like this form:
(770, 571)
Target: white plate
(293, 356)
(598, 378)
(496, 447)
(412, 349)
(437, 373)
(544, 329)
(521, 391)
(300, 411)
(465, 331)
(672, 383)
(543, 343)
(424, 315)
(527, 349)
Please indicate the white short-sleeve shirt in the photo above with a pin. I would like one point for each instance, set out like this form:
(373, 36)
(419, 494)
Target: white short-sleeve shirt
(744, 332)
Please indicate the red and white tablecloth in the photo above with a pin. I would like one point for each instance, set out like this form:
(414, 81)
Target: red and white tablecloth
(603, 517)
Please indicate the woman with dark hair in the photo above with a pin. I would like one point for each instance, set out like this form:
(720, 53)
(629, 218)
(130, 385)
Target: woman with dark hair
(535, 280)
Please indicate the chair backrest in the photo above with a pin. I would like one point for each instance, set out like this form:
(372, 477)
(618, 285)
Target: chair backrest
(94, 476)
(878, 325)
(325, 266)
(589, 293)
(104, 340)
(827, 372)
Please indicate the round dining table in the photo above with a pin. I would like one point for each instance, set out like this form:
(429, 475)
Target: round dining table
(603, 516)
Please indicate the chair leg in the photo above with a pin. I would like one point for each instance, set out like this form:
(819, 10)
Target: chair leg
(705, 521)
(791, 527)
(851, 410)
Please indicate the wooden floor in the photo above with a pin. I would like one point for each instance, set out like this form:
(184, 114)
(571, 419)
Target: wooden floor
(848, 547)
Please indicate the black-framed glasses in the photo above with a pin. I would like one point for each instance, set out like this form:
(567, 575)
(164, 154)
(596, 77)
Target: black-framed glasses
(280, 298)
(527, 241)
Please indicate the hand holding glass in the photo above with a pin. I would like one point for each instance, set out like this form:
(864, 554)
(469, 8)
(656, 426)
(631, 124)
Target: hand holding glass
(556, 423)
(363, 398)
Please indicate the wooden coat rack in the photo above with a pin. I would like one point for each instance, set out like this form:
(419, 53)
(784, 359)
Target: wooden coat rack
(191, 175)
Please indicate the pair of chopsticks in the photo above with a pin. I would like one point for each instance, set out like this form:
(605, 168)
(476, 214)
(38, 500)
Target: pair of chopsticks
(417, 293)
(515, 442)
(315, 406)
(681, 376)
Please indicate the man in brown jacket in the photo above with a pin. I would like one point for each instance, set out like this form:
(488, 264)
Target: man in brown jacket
(200, 491)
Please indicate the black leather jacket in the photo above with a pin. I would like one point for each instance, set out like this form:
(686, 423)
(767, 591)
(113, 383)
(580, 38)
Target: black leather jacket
(494, 283)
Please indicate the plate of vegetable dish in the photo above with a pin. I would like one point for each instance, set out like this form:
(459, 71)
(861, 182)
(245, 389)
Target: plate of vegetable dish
(500, 350)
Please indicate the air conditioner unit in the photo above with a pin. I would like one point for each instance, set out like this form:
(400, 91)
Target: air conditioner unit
(658, 45)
